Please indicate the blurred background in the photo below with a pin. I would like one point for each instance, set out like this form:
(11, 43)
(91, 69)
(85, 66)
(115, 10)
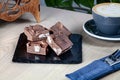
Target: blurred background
(75, 5)
(42, 2)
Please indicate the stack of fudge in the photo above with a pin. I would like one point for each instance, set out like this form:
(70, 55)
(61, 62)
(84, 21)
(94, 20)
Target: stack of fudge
(39, 38)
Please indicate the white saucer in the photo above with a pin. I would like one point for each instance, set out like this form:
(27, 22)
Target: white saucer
(90, 28)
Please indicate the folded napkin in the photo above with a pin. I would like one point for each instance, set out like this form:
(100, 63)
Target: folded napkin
(98, 68)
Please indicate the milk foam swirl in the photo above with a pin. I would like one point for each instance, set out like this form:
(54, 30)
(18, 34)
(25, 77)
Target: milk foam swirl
(108, 9)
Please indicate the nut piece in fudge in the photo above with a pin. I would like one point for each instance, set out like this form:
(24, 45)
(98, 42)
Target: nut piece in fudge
(38, 47)
(59, 43)
(59, 28)
(36, 32)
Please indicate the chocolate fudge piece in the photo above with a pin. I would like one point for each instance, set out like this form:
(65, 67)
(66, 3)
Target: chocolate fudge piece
(59, 28)
(53, 45)
(59, 43)
(38, 47)
(36, 32)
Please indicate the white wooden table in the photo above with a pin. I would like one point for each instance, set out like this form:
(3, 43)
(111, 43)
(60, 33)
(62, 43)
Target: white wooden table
(92, 48)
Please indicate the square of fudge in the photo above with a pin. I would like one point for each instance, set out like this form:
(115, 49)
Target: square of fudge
(36, 32)
(38, 47)
(59, 28)
(59, 43)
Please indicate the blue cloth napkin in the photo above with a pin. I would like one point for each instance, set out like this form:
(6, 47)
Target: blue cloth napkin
(98, 68)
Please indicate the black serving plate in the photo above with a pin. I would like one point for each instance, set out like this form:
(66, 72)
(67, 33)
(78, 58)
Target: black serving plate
(91, 29)
(73, 56)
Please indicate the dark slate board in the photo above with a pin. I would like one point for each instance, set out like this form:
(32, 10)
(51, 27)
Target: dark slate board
(73, 56)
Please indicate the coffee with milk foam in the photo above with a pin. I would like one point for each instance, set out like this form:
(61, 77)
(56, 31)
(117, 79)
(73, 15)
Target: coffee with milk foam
(108, 9)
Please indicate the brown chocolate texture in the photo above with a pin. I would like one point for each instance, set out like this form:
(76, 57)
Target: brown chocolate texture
(39, 38)
(59, 28)
(38, 47)
(35, 33)
(60, 43)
